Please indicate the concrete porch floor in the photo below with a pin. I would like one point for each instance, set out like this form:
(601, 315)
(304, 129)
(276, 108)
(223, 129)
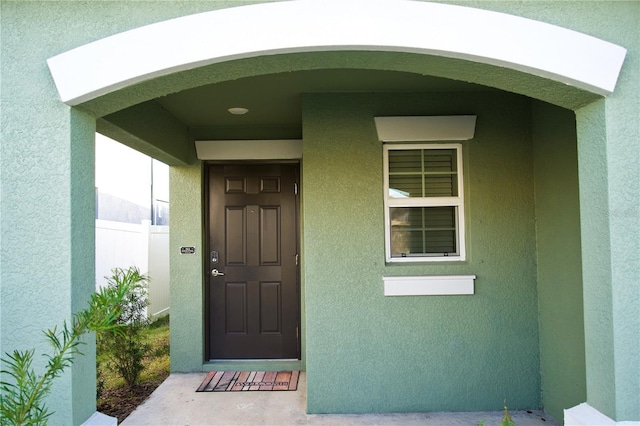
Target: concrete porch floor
(176, 402)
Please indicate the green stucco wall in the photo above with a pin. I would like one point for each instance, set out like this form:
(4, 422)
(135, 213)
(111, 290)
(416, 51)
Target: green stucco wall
(559, 259)
(610, 214)
(610, 240)
(418, 353)
(47, 180)
(46, 215)
(187, 291)
(47, 206)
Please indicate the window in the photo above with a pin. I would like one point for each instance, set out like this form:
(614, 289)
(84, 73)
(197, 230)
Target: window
(424, 208)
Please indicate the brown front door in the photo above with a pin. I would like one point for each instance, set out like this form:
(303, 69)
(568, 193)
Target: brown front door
(252, 281)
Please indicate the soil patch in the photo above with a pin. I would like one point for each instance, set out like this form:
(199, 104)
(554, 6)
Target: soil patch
(116, 398)
(121, 402)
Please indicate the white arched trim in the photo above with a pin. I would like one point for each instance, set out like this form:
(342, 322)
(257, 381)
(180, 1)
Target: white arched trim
(537, 48)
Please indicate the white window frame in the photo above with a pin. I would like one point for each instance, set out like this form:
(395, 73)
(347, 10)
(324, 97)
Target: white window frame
(457, 201)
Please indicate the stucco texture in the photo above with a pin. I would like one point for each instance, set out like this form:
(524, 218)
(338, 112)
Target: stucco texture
(47, 257)
(370, 353)
(364, 352)
(559, 259)
(186, 292)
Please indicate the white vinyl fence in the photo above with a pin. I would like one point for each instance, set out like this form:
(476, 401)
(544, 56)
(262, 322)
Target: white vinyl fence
(145, 246)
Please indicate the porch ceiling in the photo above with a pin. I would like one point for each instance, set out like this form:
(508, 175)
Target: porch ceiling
(274, 100)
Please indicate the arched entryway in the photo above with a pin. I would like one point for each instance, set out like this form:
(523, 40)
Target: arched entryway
(154, 61)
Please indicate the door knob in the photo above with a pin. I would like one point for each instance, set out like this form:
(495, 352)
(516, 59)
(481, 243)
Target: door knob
(216, 273)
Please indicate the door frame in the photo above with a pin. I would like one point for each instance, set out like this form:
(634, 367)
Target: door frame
(207, 249)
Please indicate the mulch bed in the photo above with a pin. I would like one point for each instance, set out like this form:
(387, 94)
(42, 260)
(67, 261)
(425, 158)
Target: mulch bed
(121, 402)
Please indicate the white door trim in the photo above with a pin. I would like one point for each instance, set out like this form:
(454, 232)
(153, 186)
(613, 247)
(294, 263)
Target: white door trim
(222, 150)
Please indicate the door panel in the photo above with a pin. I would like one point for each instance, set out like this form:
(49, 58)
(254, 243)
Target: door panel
(270, 235)
(253, 309)
(236, 308)
(236, 237)
(270, 303)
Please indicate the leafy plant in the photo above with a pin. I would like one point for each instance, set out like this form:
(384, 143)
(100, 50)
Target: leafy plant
(156, 368)
(22, 397)
(506, 418)
(127, 348)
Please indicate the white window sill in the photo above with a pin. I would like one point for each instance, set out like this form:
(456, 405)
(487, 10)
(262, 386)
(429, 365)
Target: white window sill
(417, 259)
(435, 285)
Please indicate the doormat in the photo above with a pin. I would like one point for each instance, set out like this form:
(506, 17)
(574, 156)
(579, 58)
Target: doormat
(238, 381)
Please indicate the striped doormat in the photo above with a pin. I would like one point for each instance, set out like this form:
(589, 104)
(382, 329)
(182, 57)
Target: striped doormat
(237, 381)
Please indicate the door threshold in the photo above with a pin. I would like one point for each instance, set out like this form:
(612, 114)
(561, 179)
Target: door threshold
(252, 364)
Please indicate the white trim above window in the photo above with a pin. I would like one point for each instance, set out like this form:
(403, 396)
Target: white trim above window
(426, 128)
(423, 203)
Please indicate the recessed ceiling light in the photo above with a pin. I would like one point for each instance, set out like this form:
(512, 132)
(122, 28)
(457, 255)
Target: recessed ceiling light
(238, 110)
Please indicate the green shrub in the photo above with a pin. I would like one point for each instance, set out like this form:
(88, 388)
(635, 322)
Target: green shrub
(127, 349)
(22, 391)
